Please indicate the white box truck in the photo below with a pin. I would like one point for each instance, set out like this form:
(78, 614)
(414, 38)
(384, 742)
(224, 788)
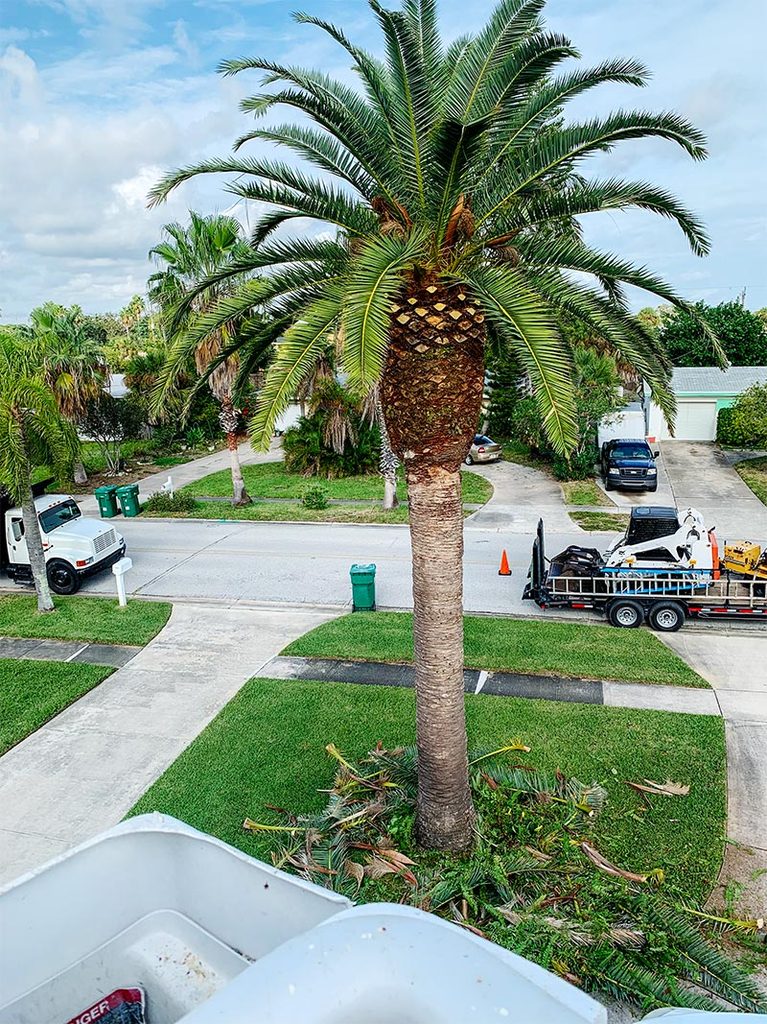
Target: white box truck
(74, 547)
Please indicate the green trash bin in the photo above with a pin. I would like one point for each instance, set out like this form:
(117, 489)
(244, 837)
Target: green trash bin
(107, 499)
(129, 503)
(363, 588)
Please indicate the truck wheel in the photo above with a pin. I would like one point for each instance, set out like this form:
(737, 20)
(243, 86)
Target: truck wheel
(625, 614)
(667, 616)
(62, 578)
(609, 486)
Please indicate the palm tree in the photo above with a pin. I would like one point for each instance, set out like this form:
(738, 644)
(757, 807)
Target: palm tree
(34, 433)
(190, 254)
(454, 180)
(74, 367)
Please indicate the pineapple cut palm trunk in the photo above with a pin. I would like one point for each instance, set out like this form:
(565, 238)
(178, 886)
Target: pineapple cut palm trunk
(431, 393)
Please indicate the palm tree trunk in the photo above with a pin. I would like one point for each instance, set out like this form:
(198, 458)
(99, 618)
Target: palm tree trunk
(388, 462)
(228, 420)
(445, 815)
(240, 495)
(79, 474)
(36, 553)
(431, 392)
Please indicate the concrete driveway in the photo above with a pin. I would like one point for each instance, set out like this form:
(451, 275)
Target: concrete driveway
(521, 496)
(699, 475)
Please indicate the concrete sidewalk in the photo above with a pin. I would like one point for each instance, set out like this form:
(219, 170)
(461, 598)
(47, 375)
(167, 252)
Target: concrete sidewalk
(188, 472)
(736, 667)
(84, 770)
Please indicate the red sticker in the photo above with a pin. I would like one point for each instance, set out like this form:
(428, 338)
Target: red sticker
(123, 1006)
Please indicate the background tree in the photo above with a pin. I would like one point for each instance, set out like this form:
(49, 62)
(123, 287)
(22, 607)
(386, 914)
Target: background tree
(449, 199)
(34, 433)
(742, 334)
(190, 257)
(74, 365)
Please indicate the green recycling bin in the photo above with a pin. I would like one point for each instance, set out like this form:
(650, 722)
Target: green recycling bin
(363, 588)
(107, 499)
(129, 503)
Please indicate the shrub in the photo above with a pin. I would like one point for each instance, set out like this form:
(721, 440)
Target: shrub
(580, 465)
(166, 504)
(744, 425)
(307, 453)
(195, 437)
(316, 498)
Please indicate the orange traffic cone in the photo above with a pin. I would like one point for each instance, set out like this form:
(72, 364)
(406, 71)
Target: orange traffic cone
(504, 569)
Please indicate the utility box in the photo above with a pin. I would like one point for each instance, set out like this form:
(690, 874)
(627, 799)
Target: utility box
(107, 499)
(363, 579)
(129, 501)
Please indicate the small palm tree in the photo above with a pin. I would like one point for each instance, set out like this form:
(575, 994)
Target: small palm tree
(455, 182)
(74, 367)
(34, 433)
(187, 256)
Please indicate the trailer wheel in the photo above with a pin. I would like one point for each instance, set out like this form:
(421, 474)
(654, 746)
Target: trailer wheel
(667, 616)
(62, 578)
(626, 614)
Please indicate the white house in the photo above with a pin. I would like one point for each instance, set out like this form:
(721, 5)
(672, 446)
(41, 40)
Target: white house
(701, 391)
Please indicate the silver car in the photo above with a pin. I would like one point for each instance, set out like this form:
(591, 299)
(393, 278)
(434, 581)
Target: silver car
(483, 450)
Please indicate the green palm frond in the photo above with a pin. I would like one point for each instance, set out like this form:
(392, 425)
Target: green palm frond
(520, 316)
(374, 279)
(293, 361)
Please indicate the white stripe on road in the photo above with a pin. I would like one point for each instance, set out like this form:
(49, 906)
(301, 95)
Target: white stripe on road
(481, 681)
(73, 656)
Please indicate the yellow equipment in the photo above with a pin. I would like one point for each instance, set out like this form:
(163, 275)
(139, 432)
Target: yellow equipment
(743, 557)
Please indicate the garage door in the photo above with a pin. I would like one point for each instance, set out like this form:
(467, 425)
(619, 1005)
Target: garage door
(695, 420)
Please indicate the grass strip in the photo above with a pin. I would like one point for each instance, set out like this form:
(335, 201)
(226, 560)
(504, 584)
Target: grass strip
(97, 620)
(513, 645)
(32, 692)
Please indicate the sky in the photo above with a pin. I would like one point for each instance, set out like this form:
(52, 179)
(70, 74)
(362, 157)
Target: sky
(99, 97)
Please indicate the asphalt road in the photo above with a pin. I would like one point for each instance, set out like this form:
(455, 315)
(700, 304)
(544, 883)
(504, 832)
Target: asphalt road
(308, 563)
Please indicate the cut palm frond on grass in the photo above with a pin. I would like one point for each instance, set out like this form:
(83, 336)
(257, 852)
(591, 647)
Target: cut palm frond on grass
(535, 882)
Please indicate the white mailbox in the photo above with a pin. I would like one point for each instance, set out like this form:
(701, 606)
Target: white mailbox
(120, 568)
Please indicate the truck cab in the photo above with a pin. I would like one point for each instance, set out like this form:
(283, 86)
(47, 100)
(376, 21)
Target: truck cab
(629, 464)
(74, 547)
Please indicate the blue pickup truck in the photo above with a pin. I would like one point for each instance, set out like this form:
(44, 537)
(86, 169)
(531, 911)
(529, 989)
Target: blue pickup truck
(629, 464)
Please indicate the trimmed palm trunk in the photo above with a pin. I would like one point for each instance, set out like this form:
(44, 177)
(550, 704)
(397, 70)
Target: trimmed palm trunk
(431, 392)
(228, 420)
(36, 553)
(388, 462)
(78, 473)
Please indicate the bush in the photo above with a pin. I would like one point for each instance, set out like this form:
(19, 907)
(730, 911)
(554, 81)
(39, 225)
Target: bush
(306, 452)
(580, 465)
(166, 504)
(744, 425)
(316, 498)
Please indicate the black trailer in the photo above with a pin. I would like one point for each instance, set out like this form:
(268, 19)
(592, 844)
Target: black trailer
(628, 598)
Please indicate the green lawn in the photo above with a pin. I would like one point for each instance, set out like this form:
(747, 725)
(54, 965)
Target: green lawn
(94, 619)
(516, 645)
(267, 747)
(271, 480)
(600, 522)
(32, 692)
(753, 472)
(264, 511)
(584, 492)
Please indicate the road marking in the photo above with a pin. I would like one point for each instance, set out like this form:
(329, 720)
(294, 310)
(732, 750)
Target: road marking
(481, 681)
(73, 656)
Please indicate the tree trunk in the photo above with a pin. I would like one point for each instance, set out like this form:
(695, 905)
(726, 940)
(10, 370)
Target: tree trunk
(240, 495)
(36, 553)
(431, 392)
(78, 471)
(388, 462)
(445, 815)
(227, 417)
(390, 499)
